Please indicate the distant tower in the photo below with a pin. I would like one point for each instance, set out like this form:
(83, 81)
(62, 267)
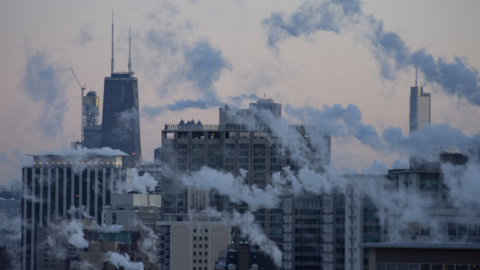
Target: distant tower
(90, 120)
(121, 119)
(419, 107)
(419, 117)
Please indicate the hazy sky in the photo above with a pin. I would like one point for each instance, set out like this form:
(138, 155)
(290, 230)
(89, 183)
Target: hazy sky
(211, 51)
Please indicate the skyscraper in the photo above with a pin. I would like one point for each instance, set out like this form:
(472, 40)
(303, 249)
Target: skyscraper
(419, 117)
(120, 119)
(419, 107)
(53, 187)
(90, 120)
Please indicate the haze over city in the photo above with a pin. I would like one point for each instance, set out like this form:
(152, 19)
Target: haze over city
(362, 131)
(213, 52)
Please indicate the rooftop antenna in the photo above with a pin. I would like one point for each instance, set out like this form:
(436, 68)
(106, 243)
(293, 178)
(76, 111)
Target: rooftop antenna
(113, 61)
(415, 75)
(129, 52)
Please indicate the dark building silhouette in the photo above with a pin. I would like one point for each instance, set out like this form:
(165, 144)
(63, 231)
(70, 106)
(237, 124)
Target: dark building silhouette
(121, 119)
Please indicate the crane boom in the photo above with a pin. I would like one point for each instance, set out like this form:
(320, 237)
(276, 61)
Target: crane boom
(79, 84)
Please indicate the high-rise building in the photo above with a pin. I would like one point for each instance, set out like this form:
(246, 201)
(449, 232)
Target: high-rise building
(121, 119)
(314, 232)
(54, 186)
(232, 147)
(91, 120)
(420, 107)
(194, 242)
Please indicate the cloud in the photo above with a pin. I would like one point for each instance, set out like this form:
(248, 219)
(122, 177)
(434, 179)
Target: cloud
(136, 183)
(84, 36)
(202, 67)
(123, 261)
(309, 18)
(388, 48)
(226, 184)
(429, 141)
(338, 121)
(43, 82)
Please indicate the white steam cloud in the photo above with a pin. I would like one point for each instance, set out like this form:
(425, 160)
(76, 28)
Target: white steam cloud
(134, 182)
(124, 261)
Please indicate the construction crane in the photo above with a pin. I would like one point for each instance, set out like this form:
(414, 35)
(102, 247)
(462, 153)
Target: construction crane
(83, 118)
(79, 84)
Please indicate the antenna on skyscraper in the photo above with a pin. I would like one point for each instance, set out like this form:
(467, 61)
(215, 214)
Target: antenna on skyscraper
(129, 52)
(113, 61)
(415, 75)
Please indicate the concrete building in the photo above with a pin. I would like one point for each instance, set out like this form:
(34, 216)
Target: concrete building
(103, 244)
(131, 210)
(91, 120)
(406, 256)
(314, 232)
(242, 256)
(231, 148)
(155, 170)
(191, 241)
(54, 185)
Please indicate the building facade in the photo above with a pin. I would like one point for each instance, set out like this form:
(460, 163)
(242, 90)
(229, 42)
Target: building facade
(121, 119)
(314, 232)
(63, 187)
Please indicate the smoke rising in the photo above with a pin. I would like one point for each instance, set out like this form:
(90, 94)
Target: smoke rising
(248, 227)
(134, 182)
(226, 184)
(123, 261)
(202, 67)
(388, 48)
(43, 82)
(62, 234)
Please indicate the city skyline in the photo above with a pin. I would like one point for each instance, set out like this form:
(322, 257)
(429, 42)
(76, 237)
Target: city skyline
(181, 54)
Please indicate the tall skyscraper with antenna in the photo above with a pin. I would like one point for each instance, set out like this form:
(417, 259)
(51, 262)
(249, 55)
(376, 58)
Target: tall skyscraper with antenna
(420, 107)
(121, 119)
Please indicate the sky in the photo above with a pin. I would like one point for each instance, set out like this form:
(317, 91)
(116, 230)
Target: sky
(191, 57)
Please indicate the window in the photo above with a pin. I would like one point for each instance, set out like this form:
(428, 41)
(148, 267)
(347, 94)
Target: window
(258, 160)
(182, 146)
(197, 146)
(258, 167)
(259, 146)
(259, 153)
(214, 146)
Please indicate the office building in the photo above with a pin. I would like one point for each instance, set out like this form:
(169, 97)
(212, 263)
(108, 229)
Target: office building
(91, 120)
(64, 187)
(133, 210)
(420, 107)
(232, 147)
(191, 241)
(314, 232)
(121, 119)
(242, 256)
(431, 256)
